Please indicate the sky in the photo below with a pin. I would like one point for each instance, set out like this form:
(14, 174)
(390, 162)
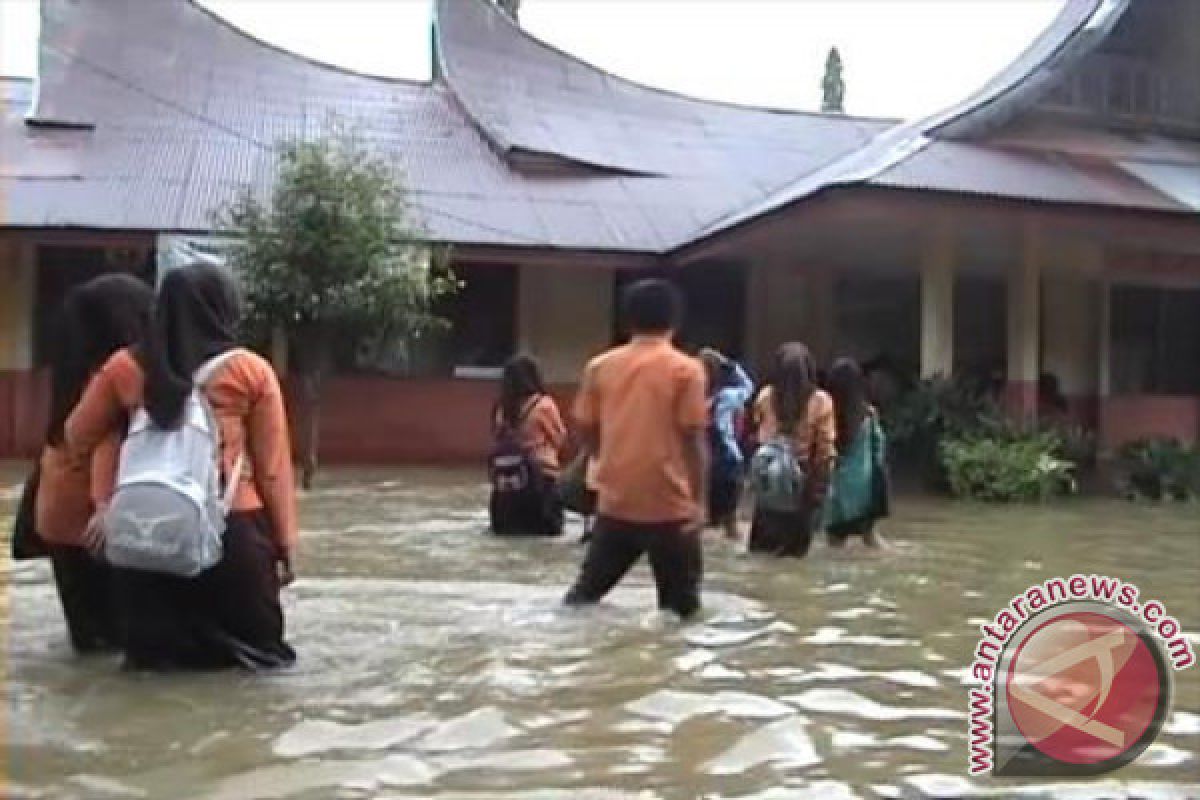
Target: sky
(903, 58)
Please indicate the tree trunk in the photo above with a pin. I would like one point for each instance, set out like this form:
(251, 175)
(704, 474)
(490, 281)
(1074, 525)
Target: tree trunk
(314, 365)
(313, 383)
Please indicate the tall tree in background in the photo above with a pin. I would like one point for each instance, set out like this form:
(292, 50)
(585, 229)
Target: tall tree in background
(334, 257)
(833, 88)
(510, 7)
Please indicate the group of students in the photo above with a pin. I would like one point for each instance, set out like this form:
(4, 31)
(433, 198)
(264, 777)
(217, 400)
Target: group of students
(165, 497)
(140, 377)
(668, 444)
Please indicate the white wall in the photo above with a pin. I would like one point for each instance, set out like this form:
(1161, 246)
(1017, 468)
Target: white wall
(564, 317)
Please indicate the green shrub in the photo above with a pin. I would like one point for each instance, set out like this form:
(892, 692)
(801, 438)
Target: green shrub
(935, 408)
(1007, 465)
(1159, 469)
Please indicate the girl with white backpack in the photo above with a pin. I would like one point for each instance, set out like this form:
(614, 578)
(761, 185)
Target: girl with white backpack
(199, 516)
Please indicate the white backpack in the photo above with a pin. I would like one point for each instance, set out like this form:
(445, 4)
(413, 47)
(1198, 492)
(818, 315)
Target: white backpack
(168, 511)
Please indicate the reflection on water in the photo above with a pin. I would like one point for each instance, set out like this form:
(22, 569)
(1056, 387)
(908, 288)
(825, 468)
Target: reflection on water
(436, 662)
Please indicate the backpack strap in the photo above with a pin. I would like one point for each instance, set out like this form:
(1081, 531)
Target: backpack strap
(200, 379)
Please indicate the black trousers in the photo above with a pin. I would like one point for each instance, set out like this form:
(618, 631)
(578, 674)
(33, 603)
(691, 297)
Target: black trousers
(676, 558)
(86, 591)
(781, 533)
(229, 615)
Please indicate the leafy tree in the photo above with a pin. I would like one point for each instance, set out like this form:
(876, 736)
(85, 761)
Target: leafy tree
(333, 259)
(833, 88)
(510, 7)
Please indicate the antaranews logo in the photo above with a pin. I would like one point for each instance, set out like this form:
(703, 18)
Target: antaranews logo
(1074, 679)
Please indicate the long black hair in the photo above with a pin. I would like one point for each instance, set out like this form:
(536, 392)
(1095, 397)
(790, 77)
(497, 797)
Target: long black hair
(195, 318)
(98, 318)
(848, 386)
(793, 381)
(522, 379)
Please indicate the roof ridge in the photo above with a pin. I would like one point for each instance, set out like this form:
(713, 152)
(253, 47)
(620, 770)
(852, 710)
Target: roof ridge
(678, 95)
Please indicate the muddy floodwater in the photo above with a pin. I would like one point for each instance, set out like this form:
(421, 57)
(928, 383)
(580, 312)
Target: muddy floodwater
(436, 662)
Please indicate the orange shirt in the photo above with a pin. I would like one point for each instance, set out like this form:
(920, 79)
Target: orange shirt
(65, 500)
(814, 437)
(643, 400)
(543, 433)
(248, 403)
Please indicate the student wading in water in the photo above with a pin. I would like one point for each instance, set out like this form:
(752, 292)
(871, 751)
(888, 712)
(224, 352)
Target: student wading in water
(98, 318)
(858, 494)
(228, 614)
(525, 467)
(729, 389)
(643, 413)
(790, 471)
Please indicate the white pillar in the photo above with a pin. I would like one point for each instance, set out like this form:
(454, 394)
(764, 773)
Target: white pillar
(1024, 323)
(937, 302)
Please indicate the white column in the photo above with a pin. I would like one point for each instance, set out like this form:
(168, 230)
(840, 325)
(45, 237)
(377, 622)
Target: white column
(1024, 323)
(937, 302)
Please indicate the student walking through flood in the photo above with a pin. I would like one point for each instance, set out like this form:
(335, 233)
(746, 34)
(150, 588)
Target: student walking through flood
(643, 414)
(790, 471)
(98, 318)
(229, 614)
(729, 390)
(859, 489)
(526, 462)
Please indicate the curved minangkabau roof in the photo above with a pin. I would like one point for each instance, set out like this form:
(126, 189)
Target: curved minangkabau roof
(151, 115)
(527, 96)
(1079, 27)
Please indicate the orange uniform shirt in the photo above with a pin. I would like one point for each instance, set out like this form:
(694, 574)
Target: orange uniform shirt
(815, 436)
(544, 434)
(248, 403)
(643, 399)
(65, 499)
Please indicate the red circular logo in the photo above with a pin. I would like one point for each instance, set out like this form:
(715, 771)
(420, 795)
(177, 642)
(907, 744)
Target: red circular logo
(1083, 688)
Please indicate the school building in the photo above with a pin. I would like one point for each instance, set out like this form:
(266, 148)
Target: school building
(1049, 223)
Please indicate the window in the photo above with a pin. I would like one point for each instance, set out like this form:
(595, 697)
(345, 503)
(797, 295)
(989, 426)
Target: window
(1155, 342)
(479, 337)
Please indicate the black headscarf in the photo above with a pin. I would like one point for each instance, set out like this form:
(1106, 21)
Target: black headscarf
(195, 318)
(522, 379)
(793, 381)
(848, 387)
(97, 319)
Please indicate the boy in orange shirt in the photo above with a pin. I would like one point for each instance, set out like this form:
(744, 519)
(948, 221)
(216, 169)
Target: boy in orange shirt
(643, 413)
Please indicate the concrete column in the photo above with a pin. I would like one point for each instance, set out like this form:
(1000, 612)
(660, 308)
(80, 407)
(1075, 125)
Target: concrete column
(937, 302)
(18, 278)
(1024, 318)
(757, 303)
(1103, 362)
(564, 317)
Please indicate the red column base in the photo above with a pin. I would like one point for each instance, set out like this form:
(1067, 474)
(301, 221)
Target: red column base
(1021, 400)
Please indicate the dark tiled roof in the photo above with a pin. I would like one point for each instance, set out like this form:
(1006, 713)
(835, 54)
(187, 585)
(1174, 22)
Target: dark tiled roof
(172, 110)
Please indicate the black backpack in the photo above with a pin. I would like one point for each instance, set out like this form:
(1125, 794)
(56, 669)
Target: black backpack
(512, 469)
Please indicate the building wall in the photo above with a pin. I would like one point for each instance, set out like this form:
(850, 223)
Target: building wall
(565, 316)
(24, 395)
(1130, 417)
(1070, 331)
(787, 302)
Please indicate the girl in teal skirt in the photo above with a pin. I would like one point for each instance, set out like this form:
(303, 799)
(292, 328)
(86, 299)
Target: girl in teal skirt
(859, 491)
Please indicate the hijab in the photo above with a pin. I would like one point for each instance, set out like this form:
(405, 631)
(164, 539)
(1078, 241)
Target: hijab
(97, 319)
(195, 319)
(848, 387)
(793, 382)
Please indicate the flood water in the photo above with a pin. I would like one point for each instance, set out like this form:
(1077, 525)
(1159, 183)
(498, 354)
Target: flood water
(436, 662)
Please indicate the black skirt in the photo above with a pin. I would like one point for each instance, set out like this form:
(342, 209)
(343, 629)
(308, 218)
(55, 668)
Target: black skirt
(227, 616)
(781, 533)
(531, 513)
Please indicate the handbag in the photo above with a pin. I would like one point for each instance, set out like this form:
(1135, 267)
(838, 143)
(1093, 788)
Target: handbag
(26, 543)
